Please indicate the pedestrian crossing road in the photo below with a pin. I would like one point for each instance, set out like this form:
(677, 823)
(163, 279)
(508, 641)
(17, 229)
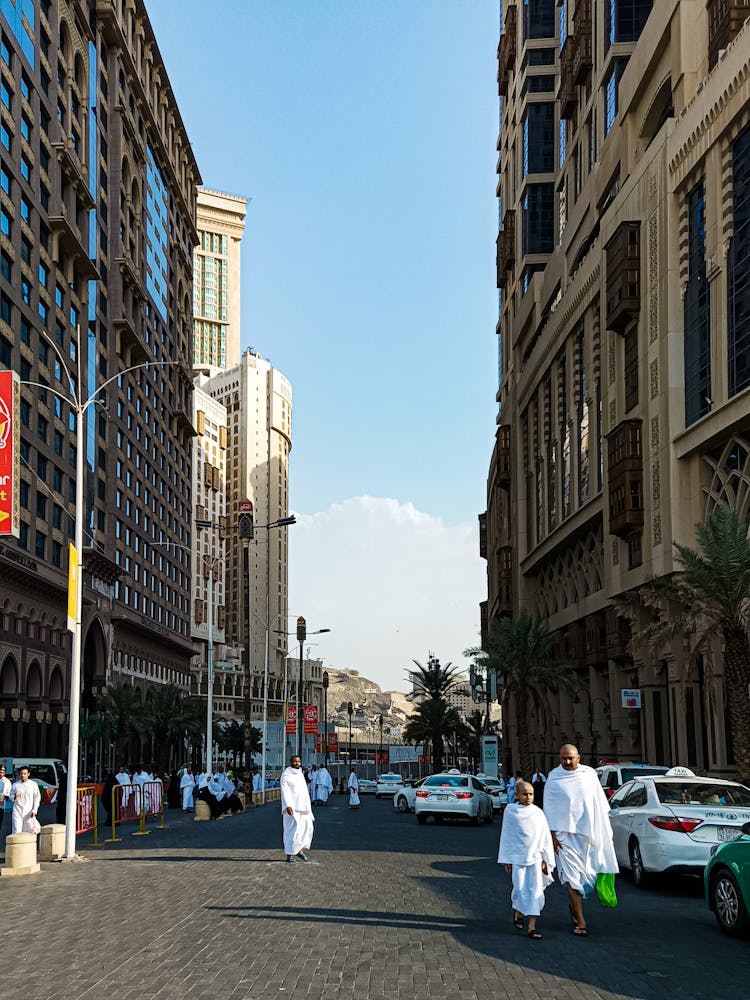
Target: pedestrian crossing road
(383, 909)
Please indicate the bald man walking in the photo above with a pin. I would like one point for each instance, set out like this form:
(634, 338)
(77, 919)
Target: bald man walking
(578, 815)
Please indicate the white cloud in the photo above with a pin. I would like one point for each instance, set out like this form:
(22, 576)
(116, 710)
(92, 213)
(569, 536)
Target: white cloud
(390, 581)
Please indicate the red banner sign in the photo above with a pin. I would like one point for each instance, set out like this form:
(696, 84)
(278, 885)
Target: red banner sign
(291, 719)
(333, 743)
(10, 452)
(318, 743)
(311, 718)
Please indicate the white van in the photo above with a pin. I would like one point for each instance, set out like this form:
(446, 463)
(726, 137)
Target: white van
(47, 769)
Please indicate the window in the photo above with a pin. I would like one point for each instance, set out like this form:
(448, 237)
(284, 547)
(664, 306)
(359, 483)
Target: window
(538, 219)
(23, 495)
(25, 291)
(738, 269)
(541, 57)
(25, 128)
(25, 210)
(697, 334)
(611, 98)
(41, 506)
(539, 18)
(25, 250)
(631, 368)
(539, 138)
(56, 554)
(40, 545)
(6, 95)
(626, 19)
(25, 169)
(23, 536)
(5, 180)
(6, 266)
(5, 227)
(43, 275)
(5, 137)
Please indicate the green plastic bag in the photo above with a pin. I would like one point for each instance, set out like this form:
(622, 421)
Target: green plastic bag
(605, 889)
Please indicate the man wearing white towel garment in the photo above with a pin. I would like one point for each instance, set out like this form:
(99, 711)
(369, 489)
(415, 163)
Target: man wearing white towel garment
(187, 785)
(353, 786)
(578, 815)
(296, 812)
(325, 785)
(526, 851)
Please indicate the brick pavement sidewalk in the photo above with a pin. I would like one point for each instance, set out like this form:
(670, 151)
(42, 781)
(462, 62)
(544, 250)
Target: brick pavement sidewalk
(384, 909)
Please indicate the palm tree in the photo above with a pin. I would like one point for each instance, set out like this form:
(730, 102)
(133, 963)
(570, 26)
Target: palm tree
(433, 681)
(231, 739)
(433, 721)
(711, 597)
(122, 707)
(162, 720)
(520, 651)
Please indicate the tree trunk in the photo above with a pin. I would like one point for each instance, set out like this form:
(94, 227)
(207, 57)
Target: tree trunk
(524, 764)
(737, 690)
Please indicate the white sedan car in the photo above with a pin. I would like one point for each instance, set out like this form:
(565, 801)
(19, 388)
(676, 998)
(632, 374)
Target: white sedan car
(669, 823)
(387, 784)
(454, 795)
(405, 797)
(496, 789)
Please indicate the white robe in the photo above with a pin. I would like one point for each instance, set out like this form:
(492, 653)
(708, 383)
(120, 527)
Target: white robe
(140, 794)
(187, 784)
(314, 779)
(257, 783)
(325, 784)
(353, 786)
(525, 842)
(298, 828)
(123, 779)
(26, 802)
(578, 814)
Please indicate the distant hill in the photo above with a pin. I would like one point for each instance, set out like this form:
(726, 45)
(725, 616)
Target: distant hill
(368, 699)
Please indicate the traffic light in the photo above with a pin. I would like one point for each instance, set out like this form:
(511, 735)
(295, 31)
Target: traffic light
(245, 522)
(301, 629)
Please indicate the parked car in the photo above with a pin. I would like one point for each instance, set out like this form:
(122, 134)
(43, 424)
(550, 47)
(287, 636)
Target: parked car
(453, 795)
(496, 790)
(367, 786)
(405, 797)
(387, 784)
(727, 884)
(48, 769)
(614, 774)
(669, 823)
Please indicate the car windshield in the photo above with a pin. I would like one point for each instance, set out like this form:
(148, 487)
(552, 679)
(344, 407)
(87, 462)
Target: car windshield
(628, 773)
(703, 793)
(389, 777)
(446, 781)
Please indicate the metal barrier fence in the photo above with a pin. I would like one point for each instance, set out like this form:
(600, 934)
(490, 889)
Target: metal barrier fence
(87, 812)
(136, 802)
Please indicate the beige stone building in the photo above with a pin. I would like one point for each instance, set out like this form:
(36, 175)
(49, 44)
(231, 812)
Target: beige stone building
(216, 280)
(258, 403)
(624, 268)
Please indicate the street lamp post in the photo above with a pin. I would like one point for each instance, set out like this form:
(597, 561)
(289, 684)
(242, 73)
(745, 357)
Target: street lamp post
(325, 717)
(246, 533)
(80, 407)
(380, 748)
(350, 711)
(301, 636)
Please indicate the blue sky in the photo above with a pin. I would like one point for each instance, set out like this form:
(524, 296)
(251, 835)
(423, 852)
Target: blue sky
(364, 132)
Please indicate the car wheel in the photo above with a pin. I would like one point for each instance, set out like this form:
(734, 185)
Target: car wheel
(402, 805)
(728, 904)
(640, 875)
(421, 819)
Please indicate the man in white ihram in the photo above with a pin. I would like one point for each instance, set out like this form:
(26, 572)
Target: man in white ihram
(578, 815)
(296, 812)
(325, 785)
(187, 786)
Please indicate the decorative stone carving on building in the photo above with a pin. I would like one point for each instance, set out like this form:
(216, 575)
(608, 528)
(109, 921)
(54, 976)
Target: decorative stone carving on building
(653, 280)
(572, 574)
(653, 377)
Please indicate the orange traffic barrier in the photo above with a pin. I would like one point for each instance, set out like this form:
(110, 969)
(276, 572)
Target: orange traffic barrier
(87, 812)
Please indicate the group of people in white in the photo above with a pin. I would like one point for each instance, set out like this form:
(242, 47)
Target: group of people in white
(143, 791)
(217, 788)
(572, 834)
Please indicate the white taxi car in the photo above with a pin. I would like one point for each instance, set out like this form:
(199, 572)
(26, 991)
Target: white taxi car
(405, 797)
(388, 784)
(670, 822)
(453, 795)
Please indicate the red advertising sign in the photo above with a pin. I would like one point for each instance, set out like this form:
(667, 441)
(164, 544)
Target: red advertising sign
(310, 715)
(10, 452)
(291, 719)
(318, 743)
(333, 743)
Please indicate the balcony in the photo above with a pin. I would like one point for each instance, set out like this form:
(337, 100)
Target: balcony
(568, 95)
(483, 535)
(625, 478)
(500, 259)
(618, 634)
(623, 287)
(67, 239)
(131, 339)
(506, 52)
(725, 18)
(505, 580)
(504, 469)
(595, 627)
(583, 55)
(484, 623)
(507, 242)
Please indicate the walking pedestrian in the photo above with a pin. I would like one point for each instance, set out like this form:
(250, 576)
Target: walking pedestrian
(578, 815)
(187, 786)
(296, 812)
(325, 785)
(515, 778)
(538, 781)
(353, 786)
(26, 801)
(6, 803)
(313, 778)
(527, 852)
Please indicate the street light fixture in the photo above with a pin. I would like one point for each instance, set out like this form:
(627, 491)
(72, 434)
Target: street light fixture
(350, 712)
(325, 717)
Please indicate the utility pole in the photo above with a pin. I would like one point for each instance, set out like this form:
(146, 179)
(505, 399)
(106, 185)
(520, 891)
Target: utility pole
(301, 636)
(246, 532)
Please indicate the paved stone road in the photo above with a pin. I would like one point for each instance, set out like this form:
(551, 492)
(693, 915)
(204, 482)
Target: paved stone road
(384, 909)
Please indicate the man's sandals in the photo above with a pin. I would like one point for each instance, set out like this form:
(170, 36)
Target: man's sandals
(518, 922)
(580, 931)
(535, 935)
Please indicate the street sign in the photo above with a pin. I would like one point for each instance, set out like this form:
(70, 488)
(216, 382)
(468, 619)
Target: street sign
(333, 742)
(291, 719)
(73, 570)
(310, 716)
(631, 697)
(404, 755)
(10, 453)
(489, 756)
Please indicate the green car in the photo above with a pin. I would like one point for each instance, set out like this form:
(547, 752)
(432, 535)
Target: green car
(727, 884)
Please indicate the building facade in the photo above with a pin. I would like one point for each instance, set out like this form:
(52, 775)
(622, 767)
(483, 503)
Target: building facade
(97, 228)
(258, 402)
(625, 350)
(216, 281)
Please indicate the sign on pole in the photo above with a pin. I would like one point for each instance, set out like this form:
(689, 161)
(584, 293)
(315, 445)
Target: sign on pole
(72, 587)
(291, 719)
(333, 743)
(489, 756)
(631, 697)
(310, 716)
(10, 453)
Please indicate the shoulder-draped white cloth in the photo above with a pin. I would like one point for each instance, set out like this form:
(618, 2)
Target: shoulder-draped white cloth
(525, 838)
(298, 828)
(325, 784)
(578, 813)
